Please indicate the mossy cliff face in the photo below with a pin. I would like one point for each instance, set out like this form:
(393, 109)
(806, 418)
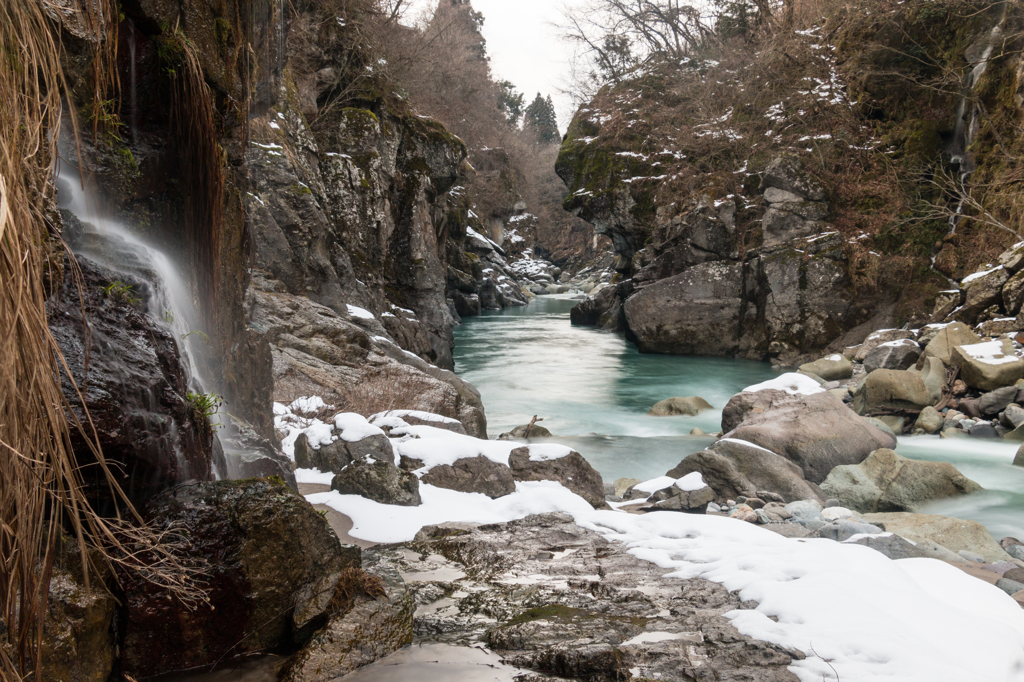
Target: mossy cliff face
(333, 189)
(868, 101)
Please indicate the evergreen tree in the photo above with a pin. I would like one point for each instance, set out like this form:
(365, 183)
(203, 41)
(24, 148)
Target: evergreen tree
(540, 118)
(510, 102)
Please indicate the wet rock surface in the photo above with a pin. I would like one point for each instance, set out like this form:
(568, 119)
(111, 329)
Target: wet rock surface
(133, 382)
(555, 598)
(263, 545)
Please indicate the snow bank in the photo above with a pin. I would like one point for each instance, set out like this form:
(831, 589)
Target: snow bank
(870, 618)
(363, 313)
(415, 414)
(434, 447)
(792, 383)
(389, 523)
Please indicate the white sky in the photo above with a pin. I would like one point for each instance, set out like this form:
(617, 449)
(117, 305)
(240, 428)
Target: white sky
(525, 47)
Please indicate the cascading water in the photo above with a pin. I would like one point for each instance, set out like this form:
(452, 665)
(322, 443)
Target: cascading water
(116, 246)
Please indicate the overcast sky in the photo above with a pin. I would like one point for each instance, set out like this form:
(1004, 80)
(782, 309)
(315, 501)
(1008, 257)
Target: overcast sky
(525, 48)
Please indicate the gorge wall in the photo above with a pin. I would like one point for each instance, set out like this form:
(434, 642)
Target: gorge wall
(772, 196)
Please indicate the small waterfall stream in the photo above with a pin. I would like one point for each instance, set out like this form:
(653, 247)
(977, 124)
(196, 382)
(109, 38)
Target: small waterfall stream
(118, 247)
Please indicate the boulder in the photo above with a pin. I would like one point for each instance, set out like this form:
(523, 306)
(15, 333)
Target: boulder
(900, 389)
(901, 354)
(885, 482)
(473, 475)
(881, 426)
(680, 406)
(817, 432)
(1013, 416)
(930, 420)
(676, 499)
(982, 290)
(379, 480)
(571, 470)
(696, 312)
(892, 546)
(264, 545)
(830, 368)
(1018, 459)
(843, 529)
(375, 620)
(733, 468)
(337, 455)
(953, 534)
(603, 310)
(988, 366)
(79, 642)
(876, 339)
(537, 431)
(996, 401)
(1013, 294)
(941, 344)
(420, 418)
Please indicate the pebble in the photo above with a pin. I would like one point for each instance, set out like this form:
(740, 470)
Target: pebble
(714, 508)
(832, 502)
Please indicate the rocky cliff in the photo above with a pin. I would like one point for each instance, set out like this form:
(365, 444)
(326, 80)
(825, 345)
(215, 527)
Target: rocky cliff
(769, 196)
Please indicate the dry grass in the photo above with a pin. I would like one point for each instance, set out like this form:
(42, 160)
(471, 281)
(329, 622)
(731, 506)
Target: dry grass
(42, 491)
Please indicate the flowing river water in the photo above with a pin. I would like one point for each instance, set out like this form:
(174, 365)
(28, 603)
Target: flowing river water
(593, 390)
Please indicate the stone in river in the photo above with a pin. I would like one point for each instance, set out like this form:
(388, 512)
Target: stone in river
(689, 406)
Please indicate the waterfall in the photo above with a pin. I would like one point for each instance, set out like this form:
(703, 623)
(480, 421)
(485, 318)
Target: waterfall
(116, 246)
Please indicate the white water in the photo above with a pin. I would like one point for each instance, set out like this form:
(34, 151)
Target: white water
(117, 246)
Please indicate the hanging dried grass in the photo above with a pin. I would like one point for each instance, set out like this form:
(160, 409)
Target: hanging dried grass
(41, 492)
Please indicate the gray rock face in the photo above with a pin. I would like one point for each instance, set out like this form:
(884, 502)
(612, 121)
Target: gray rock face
(375, 620)
(473, 475)
(136, 388)
(733, 468)
(316, 351)
(568, 625)
(893, 355)
(339, 454)
(787, 172)
(886, 482)
(265, 545)
(572, 471)
(817, 432)
(380, 481)
(680, 406)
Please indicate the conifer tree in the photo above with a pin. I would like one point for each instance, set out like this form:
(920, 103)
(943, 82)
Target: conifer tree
(540, 118)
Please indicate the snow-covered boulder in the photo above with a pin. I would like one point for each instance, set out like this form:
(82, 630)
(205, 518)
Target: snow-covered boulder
(988, 366)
